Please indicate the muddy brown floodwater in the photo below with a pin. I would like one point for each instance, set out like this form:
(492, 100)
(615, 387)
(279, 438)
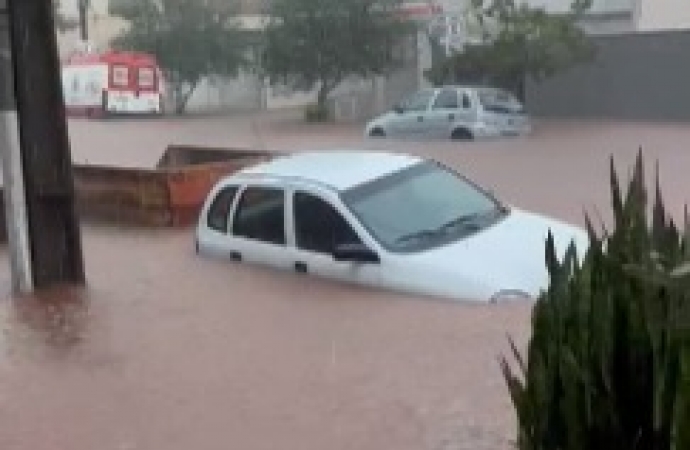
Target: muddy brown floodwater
(166, 351)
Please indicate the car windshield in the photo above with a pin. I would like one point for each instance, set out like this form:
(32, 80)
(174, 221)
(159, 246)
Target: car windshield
(418, 101)
(422, 207)
(499, 101)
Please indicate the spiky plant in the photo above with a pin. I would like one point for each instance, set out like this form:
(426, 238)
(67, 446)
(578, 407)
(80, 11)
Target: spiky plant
(608, 362)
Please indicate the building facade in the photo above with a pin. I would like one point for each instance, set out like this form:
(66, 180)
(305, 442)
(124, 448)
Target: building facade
(658, 15)
(636, 75)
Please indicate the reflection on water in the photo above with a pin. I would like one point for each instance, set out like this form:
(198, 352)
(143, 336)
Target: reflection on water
(53, 320)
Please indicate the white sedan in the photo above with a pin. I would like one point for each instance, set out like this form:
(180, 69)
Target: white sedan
(453, 112)
(384, 220)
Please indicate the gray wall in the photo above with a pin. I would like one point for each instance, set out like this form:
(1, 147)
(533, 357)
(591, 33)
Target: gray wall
(642, 76)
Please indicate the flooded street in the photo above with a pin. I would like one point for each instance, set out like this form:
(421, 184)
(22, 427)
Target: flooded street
(167, 351)
(164, 350)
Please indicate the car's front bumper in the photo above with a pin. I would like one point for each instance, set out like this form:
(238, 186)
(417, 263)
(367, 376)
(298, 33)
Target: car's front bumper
(487, 130)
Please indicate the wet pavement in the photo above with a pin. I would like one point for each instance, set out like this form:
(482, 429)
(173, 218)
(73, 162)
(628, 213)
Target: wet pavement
(166, 351)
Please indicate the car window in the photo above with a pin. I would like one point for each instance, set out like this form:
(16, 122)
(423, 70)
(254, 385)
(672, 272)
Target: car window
(261, 215)
(319, 227)
(419, 201)
(499, 101)
(446, 99)
(419, 101)
(219, 210)
(466, 102)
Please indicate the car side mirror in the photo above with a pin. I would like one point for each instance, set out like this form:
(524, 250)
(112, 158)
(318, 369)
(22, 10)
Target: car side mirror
(355, 253)
(398, 109)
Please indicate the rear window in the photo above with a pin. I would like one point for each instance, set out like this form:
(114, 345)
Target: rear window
(499, 101)
(147, 78)
(120, 75)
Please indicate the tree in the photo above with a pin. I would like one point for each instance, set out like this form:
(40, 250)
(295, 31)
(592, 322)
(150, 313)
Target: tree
(310, 43)
(190, 39)
(519, 41)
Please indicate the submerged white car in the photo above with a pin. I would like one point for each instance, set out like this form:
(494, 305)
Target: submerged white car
(384, 220)
(453, 112)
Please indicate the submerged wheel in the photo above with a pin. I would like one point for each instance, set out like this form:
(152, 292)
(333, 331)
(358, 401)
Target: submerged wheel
(377, 132)
(461, 134)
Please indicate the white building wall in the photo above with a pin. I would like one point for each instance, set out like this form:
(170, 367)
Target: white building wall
(102, 27)
(216, 94)
(655, 15)
(70, 6)
(598, 6)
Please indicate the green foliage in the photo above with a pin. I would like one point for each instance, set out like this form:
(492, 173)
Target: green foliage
(311, 43)
(190, 39)
(520, 41)
(608, 362)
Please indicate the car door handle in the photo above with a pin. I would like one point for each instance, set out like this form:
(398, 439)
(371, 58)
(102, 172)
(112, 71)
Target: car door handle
(300, 267)
(420, 118)
(451, 116)
(235, 256)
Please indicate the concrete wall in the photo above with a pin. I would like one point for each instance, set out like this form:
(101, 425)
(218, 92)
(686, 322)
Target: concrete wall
(663, 15)
(642, 76)
(102, 27)
(598, 6)
(169, 195)
(216, 94)
(607, 24)
(71, 8)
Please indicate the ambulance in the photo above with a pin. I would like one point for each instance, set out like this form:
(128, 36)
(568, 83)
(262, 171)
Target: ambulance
(112, 83)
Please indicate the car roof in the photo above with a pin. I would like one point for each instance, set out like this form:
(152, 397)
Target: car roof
(337, 169)
(476, 87)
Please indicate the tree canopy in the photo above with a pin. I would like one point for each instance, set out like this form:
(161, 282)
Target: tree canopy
(519, 41)
(310, 43)
(190, 39)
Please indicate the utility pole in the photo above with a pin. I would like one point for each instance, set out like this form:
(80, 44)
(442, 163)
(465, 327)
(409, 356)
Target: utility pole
(84, 19)
(43, 230)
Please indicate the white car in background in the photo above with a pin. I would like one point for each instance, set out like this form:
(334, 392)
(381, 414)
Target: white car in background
(385, 220)
(453, 112)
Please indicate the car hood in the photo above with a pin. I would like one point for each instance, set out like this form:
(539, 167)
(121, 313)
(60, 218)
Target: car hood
(381, 119)
(505, 258)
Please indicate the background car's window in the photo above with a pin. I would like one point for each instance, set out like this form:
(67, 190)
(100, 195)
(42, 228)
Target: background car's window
(260, 215)
(220, 209)
(319, 227)
(466, 103)
(419, 101)
(446, 99)
(499, 101)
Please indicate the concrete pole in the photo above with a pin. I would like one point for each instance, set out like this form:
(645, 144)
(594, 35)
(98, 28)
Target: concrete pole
(12, 169)
(43, 171)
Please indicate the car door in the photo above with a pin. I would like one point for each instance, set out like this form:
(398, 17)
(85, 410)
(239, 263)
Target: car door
(258, 233)
(451, 108)
(408, 118)
(319, 225)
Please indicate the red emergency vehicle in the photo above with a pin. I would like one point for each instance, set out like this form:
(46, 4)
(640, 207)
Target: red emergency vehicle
(101, 84)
